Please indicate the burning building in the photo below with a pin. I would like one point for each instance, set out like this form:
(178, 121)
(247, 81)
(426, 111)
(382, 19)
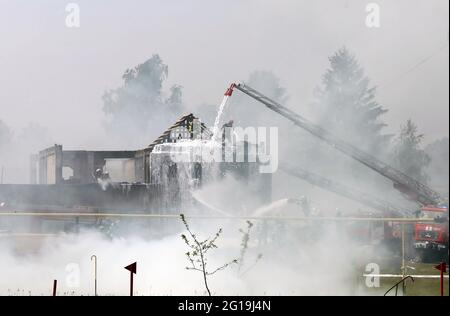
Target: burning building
(145, 181)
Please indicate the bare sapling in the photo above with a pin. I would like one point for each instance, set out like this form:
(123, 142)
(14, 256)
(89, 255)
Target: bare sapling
(198, 251)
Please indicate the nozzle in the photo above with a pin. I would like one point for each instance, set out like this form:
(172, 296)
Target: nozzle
(229, 91)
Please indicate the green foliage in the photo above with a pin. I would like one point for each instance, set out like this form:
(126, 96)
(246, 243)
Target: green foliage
(5, 135)
(346, 103)
(139, 106)
(439, 167)
(244, 248)
(408, 155)
(268, 82)
(247, 112)
(198, 251)
(244, 243)
(34, 137)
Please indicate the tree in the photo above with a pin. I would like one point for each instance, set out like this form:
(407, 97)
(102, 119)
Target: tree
(207, 113)
(139, 110)
(408, 155)
(346, 104)
(34, 137)
(5, 135)
(244, 249)
(16, 160)
(197, 254)
(247, 112)
(438, 151)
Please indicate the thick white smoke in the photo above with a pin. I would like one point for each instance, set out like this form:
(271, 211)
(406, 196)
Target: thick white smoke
(325, 266)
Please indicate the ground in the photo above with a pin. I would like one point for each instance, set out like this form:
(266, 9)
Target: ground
(420, 287)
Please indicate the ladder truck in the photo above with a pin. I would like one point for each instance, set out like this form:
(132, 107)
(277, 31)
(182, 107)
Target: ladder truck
(364, 231)
(343, 190)
(409, 187)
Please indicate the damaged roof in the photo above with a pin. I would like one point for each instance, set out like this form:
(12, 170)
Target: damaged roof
(182, 121)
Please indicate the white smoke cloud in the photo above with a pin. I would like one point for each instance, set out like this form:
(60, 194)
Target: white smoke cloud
(322, 267)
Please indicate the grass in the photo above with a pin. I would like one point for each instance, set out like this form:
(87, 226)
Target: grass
(420, 287)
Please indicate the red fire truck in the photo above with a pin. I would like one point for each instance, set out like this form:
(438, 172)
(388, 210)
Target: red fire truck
(431, 238)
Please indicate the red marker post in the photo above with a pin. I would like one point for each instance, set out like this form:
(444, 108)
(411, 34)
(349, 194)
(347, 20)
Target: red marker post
(443, 268)
(132, 268)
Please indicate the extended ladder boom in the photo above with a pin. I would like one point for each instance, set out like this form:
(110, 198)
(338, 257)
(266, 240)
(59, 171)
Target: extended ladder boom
(412, 188)
(343, 190)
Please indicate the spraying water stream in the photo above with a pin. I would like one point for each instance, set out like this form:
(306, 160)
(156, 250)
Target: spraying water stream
(196, 196)
(188, 155)
(276, 207)
(219, 114)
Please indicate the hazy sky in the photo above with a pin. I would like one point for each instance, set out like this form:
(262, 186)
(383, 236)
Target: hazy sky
(56, 75)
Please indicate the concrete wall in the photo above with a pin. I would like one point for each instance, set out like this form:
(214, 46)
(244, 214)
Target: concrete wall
(121, 170)
(50, 165)
(34, 160)
(117, 197)
(83, 163)
(142, 166)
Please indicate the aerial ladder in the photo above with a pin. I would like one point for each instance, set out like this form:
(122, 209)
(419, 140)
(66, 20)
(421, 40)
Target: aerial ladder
(413, 189)
(343, 190)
